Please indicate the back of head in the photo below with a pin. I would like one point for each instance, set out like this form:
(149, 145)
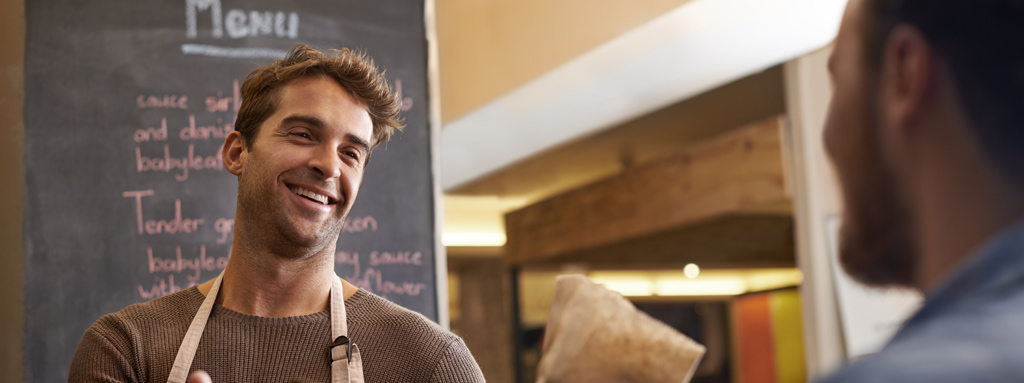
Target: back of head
(354, 71)
(982, 41)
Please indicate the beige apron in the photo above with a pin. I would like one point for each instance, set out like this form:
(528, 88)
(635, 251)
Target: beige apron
(346, 365)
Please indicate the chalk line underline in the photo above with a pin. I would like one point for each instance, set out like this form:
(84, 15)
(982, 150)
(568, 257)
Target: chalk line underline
(232, 52)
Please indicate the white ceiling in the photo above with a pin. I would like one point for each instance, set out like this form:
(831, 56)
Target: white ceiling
(692, 49)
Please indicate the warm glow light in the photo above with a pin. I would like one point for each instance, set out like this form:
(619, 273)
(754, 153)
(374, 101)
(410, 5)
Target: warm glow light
(691, 270)
(710, 283)
(774, 280)
(630, 288)
(630, 285)
(473, 239)
(700, 288)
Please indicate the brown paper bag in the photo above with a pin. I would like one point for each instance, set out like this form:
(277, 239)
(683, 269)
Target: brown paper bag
(595, 335)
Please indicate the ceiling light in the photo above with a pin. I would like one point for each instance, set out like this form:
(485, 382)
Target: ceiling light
(691, 270)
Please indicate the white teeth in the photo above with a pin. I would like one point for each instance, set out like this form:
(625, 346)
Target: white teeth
(307, 193)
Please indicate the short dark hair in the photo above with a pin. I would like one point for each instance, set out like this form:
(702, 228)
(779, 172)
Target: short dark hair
(354, 71)
(983, 43)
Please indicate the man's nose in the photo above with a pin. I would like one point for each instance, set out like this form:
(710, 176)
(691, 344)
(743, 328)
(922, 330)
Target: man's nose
(326, 163)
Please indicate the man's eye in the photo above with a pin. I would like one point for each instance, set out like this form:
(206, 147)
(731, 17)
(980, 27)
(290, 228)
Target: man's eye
(302, 135)
(352, 154)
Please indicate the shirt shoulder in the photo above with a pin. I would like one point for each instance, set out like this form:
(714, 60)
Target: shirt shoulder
(979, 342)
(166, 313)
(118, 345)
(404, 345)
(373, 313)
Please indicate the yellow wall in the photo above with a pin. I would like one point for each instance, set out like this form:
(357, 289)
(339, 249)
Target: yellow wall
(12, 133)
(787, 325)
(490, 47)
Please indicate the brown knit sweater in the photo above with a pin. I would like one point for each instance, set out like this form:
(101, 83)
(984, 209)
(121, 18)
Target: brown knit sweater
(139, 343)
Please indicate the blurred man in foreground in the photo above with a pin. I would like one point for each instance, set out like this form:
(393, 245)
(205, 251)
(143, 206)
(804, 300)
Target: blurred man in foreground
(926, 131)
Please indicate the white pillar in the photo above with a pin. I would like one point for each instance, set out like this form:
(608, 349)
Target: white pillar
(816, 198)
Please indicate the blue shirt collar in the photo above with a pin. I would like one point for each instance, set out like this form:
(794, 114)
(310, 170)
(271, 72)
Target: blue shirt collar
(999, 264)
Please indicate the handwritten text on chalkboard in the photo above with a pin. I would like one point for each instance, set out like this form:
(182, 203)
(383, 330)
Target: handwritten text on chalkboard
(240, 23)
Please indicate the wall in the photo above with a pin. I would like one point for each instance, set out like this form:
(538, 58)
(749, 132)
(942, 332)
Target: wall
(647, 138)
(12, 138)
(489, 47)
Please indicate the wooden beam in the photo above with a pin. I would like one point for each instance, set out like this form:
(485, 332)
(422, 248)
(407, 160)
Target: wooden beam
(718, 182)
(734, 241)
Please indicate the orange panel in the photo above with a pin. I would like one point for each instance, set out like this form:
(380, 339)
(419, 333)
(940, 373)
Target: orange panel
(754, 339)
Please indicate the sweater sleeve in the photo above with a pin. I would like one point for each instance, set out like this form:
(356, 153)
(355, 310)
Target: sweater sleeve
(457, 365)
(99, 358)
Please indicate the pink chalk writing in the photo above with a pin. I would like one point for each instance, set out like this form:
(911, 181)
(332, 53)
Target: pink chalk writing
(152, 134)
(396, 258)
(373, 280)
(360, 224)
(161, 286)
(221, 103)
(169, 101)
(346, 258)
(192, 132)
(168, 163)
(223, 226)
(406, 101)
(178, 224)
(179, 264)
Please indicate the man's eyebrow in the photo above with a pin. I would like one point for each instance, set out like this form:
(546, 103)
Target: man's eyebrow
(308, 120)
(358, 141)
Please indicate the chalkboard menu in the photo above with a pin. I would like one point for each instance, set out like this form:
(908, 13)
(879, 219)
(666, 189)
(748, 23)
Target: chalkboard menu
(127, 104)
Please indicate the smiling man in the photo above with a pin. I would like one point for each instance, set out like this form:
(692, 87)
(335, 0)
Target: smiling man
(278, 312)
(926, 131)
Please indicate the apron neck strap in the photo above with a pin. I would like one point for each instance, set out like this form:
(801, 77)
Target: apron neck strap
(346, 363)
(189, 345)
(339, 326)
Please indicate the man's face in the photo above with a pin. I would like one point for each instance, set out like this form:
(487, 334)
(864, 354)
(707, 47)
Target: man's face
(875, 244)
(301, 175)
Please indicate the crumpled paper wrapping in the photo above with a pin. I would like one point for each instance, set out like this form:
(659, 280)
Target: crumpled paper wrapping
(596, 335)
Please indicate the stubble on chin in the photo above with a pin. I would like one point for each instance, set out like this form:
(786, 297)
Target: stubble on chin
(296, 244)
(876, 244)
(271, 227)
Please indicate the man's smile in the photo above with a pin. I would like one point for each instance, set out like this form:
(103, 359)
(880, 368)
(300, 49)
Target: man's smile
(318, 196)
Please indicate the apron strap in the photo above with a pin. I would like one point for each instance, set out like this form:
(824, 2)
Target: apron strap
(346, 363)
(189, 345)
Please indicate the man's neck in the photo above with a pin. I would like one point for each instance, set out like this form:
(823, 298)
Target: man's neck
(266, 285)
(964, 205)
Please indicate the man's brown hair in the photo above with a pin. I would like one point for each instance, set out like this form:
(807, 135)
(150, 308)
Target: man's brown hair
(982, 41)
(354, 71)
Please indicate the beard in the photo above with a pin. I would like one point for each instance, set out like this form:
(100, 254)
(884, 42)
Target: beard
(270, 226)
(876, 245)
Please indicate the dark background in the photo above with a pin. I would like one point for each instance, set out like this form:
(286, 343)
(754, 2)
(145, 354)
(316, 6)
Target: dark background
(86, 65)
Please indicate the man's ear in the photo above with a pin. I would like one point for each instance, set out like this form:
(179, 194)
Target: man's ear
(233, 153)
(908, 77)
